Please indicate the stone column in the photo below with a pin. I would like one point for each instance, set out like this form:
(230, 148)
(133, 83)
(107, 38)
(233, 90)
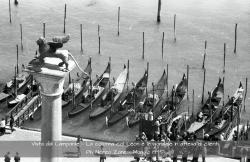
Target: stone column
(51, 79)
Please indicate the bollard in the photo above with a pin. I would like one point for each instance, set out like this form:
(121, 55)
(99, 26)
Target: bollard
(223, 81)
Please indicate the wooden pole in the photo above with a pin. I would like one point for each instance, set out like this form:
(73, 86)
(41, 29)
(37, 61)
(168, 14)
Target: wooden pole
(245, 97)
(81, 35)
(21, 30)
(167, 80)
(143, 45)
(224, 58)
(91, 104)
(153, 95)
(15, 85)
(64, 20)
(99, 49)
(205, 53)
(17, 59)
(223, 81)
(174, 27)
(162, 45)
(9, 11)
(118, 25)
(187, 81)
(159, 11)
(235, 38)
(44, 30)
(128, 75)
(147, 82)
(98, 28)
(193, 104)
(203, 86)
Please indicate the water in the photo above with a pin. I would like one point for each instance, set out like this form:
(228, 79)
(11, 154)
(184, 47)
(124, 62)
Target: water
(197, 21)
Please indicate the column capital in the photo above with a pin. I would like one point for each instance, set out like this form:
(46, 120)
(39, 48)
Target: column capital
(50, 76)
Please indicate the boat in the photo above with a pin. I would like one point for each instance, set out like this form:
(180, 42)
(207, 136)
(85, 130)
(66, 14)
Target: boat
(209, 110)
(17, 85)
(111, 96)
(73, 93)
(93, 93)
(15, 101)
(228, 113)
(130, 101)
(176, 124)
(148, 102)
(174, 100)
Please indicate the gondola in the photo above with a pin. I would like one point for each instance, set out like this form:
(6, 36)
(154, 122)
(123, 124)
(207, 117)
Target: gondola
(111, 96)
(209, 110)
(21, 81)
(149, 102)
(76, 89)
(172, 102)
(228, 113)
(176, 124)
(95, 91)
(130, 101)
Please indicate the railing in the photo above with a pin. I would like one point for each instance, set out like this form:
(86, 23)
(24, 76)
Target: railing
(14, 111)
(25, 115)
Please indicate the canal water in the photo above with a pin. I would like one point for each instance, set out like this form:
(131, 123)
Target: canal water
(197, 21)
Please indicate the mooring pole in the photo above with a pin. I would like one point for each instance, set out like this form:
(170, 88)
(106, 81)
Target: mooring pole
(245, 97)
(203, 86)
(147, 82)
(43, 30)
(9, 11)
(223, 81)
(17, 60)
(162, 45)
(193, 104)
(235, 38)
(98, 29)
(224, 58)
(159, 11)
(167, 80)
(64, 20)
(143, 45)
(81, 35)
(174, 28)
(187, 81)
(204, 56)
(128, 75)
(21, 31)
(99, 48)
(118, 25)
